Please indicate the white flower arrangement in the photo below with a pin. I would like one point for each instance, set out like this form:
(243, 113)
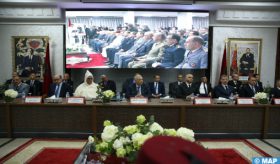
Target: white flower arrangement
(11, 93)
(109, 94)
(126, 142)
(261, 97)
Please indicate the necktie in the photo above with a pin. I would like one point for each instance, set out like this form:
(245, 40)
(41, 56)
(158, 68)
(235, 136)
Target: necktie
(138, 90)
(156, 88)
(254, 90)
(226, 88)
(205, 89)
(56, 91)
(32, 83)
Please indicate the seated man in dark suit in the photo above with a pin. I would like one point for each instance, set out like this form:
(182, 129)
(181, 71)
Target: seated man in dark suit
(223, 89)
(187, 88)
(138, 89)
(11, 81)
(250, 89)
(235, 83)
(174, 87)
(203, 88)
(173, 54)
(275, 92)
(107, 84)
(58, 88)
(20, 87)
(35, 88)
(67, 80)
(157, 87)
(259, 84)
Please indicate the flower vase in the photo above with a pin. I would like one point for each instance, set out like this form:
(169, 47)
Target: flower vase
(106, 100)
(8, 99)
(262, 101)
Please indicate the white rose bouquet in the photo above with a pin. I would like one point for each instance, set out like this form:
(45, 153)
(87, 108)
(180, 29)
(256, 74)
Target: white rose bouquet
(125, 142)
(105, 96)
(261, 97)
(10, 95)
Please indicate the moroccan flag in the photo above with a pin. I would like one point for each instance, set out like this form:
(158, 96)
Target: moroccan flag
(47, 74)
(234, 59)
(69, 22)
(224, 62)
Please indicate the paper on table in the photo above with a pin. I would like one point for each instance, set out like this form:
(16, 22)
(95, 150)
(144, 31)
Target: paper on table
(52, 97)
(222, 98)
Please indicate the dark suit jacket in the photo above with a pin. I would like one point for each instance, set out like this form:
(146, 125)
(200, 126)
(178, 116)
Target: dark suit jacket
(249, 59)
(236, 87)
(126, 84)
(246, 91)
(185, 90)
(109, 85)
(132, 91)
(127, 43)
(144, 48)
(275, 92)
(64, 89)
(174, 89)
(36, 88)
(209, 89)
(172, 56)
(260, 86)
(219, 91)
(161, 88)
(33, 63)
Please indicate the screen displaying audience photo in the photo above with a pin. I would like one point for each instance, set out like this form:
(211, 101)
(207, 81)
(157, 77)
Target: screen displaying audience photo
(137, 39)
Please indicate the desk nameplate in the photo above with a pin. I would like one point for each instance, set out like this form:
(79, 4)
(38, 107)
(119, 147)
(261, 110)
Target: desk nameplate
(202, 101)
(33, 99)
(137, 100)
(76, 100)
(277, 101)
(245, 101)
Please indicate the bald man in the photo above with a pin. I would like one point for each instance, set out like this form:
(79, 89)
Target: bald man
(19, 86)
(187, 88)
(138, 89)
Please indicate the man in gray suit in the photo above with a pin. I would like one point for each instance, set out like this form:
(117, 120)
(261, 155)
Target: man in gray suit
(20, 87)
(154, 54)
(195, 57)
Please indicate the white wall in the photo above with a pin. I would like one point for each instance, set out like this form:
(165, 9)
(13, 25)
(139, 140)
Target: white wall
(55, 33)
(269, 43)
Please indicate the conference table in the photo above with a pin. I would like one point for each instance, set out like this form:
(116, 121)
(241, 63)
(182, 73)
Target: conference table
(19, 119)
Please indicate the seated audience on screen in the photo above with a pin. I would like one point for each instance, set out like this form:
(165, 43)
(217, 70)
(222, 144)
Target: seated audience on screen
(157, 87)
(195, 57)
(140, 51)
(223, 89)
(275, 92)
(259, 84)
(182, 41)
(140, 41)
(67, 80)
(19, 86)
(187, 88)
(107, 84)
(138, 89)
(203, 88)
(126, 44)
(249, 89)
(154, 55)
(235, 83)
(35, 86)
(114, 44)
(173, 54)
(174, 89)
(58, 88)
(87, 89)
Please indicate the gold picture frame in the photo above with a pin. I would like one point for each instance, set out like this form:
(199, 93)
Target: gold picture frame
(244, 57)
(29, 54)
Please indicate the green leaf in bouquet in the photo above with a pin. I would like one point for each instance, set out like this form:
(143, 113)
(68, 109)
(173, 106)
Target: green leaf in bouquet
(152, 119)
(132, 156)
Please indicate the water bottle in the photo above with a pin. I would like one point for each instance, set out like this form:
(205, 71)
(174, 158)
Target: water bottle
(23, 96)
(123, 97)
(118, 96)
(67, 95)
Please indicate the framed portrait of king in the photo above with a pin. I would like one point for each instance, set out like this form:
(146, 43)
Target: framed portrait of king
(244, 56)
(29, 54)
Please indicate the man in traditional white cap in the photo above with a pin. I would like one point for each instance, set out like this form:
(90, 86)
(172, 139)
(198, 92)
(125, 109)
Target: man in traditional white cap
(87, 89)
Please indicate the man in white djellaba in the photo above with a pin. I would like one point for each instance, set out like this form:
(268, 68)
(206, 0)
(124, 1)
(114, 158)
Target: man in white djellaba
(87, 89)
